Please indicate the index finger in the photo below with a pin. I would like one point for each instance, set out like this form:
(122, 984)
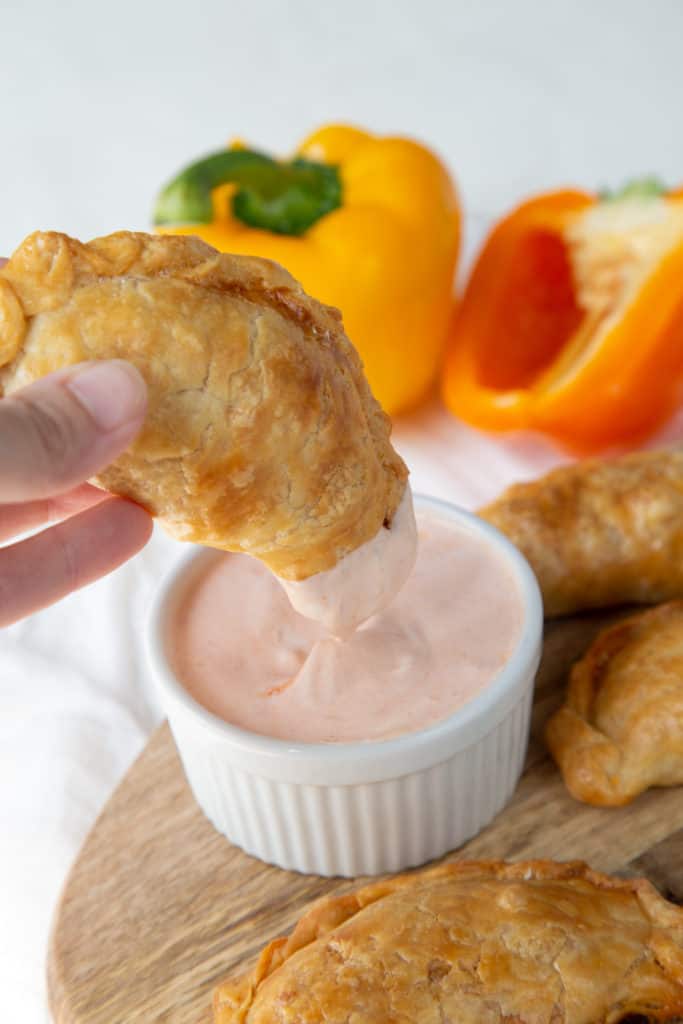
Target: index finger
(18, 517)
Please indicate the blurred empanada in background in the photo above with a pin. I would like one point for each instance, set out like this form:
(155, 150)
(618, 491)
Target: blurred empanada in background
(601, 532)
(621, 728)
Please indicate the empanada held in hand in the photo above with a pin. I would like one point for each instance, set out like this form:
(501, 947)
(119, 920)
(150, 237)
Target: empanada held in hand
(620, 730)
(262, 434)
(473, 943)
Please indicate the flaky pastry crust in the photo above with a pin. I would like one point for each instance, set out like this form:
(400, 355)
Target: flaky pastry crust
(262, 434)
(600, 533)
(620, 730)
(473, 943)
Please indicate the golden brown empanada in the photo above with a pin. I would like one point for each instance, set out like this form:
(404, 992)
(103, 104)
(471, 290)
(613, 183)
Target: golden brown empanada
(472, 943)
(600, 533)
(621, 728)
(262, 434)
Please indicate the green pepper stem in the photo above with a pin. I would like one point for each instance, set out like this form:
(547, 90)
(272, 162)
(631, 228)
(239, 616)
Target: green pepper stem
(282, 197)
(639, 188)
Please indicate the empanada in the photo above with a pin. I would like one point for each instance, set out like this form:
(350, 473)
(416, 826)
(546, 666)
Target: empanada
(621, 727)
(262, 434)
(600, 533)
(472, 943)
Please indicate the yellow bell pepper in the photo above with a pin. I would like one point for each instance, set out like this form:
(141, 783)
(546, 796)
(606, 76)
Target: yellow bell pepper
(368, 224)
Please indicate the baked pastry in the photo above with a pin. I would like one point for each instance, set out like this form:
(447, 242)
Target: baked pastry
(262, 434)
(600, 533)
(621, 727)
(472, 943)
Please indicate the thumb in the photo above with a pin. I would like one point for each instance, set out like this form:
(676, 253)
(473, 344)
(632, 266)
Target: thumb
(59, 431)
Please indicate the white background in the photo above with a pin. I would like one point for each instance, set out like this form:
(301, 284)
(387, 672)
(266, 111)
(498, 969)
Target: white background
(99, 104)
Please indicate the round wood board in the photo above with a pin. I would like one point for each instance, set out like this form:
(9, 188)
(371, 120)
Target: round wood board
(159, 907)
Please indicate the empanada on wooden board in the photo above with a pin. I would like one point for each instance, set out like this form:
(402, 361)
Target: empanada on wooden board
(620, 729)
(261, 435)
(485, 942)
(600, 532)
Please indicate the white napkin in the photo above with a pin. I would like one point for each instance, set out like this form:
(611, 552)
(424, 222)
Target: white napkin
(77, 707)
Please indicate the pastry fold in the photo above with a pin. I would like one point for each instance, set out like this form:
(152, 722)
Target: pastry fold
(473, 942)
(262, 434)
(600, 533)
(620, 730)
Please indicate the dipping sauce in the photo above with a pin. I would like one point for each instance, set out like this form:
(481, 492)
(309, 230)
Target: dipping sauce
(364, 581)
(241, 650)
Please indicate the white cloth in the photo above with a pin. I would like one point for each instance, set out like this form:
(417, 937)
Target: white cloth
(99, 105)
(76, 709)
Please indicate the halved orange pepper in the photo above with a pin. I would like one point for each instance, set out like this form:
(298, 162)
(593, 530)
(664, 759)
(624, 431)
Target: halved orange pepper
(572, 321)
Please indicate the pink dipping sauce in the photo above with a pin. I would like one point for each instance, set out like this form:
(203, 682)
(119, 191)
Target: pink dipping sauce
(241, 650)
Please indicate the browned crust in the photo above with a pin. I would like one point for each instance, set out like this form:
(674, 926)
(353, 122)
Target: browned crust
(599, 765)
(195, 478)
(233, 999)
(600, 532)
(49, 265)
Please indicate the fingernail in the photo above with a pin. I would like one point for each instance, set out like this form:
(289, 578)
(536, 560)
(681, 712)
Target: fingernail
(113, 392)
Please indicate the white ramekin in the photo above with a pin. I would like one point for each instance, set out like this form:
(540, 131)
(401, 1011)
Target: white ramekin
(358, 808)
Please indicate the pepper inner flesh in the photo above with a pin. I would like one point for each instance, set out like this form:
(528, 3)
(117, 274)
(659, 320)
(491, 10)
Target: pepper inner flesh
(567, 290)
(535, 316)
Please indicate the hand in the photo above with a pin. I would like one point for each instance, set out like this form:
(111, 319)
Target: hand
(54, 434)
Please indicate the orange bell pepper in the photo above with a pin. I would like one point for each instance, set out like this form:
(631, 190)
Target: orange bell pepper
(572, 321)
(368, 224)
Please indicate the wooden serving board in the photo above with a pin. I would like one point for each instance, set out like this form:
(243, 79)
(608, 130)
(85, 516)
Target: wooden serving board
(159, 907)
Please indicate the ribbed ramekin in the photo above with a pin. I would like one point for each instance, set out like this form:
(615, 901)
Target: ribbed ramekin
(358, 808)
